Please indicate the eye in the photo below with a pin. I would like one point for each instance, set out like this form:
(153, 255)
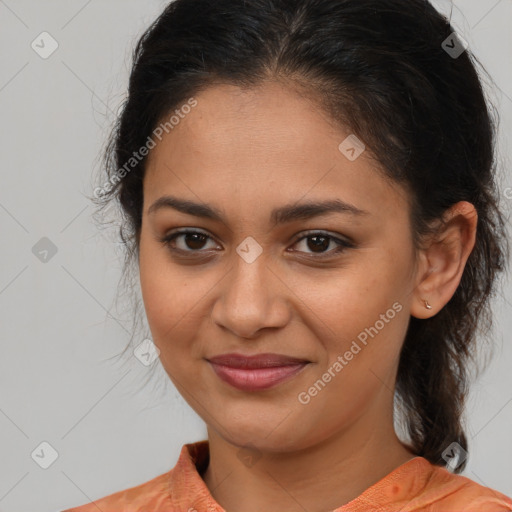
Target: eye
(191, 241)
(319, 241)
(195, 242)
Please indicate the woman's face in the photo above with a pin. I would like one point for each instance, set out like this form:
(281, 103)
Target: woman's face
(333, 288)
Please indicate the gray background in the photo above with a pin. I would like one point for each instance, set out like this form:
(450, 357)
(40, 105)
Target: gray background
(58, 321)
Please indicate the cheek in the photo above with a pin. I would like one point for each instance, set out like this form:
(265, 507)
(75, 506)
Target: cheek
(167, 303)
(166, 314)
(173, 305)
(162, 293)
(354, 298)
(164, 288)
(361, 315)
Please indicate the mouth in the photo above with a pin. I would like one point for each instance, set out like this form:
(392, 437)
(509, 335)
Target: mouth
(255, 373)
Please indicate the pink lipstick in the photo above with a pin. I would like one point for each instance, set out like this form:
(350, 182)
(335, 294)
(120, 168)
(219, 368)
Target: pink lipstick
(255, 373)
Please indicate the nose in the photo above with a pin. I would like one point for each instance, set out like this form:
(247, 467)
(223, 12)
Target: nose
(251, 297)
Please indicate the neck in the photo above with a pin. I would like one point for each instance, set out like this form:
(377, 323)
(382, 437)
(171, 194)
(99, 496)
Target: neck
(320, 478)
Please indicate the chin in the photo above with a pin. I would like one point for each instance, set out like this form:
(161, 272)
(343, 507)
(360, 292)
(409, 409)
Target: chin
(261, 436)
(250, 432)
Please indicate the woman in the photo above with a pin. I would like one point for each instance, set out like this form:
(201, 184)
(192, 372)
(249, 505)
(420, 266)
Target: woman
(308, 190)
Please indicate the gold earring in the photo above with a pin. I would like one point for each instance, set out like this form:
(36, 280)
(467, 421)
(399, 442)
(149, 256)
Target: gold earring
(427, 305)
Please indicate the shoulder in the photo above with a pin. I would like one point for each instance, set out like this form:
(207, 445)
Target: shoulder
(168, 491)
(449, 492)
(153, 493)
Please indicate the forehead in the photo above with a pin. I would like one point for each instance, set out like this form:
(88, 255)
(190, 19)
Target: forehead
(266, 145)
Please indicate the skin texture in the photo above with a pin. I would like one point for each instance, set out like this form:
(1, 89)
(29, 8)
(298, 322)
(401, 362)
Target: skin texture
(246, 152)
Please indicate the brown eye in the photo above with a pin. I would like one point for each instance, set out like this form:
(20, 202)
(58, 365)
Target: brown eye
(188, 241)
(318, 243)
(194, 241)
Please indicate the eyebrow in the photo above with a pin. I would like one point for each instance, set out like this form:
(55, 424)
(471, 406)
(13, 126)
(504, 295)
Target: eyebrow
(281, 215)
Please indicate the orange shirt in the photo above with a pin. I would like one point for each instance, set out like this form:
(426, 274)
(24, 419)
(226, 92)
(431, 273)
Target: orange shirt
(417, 486)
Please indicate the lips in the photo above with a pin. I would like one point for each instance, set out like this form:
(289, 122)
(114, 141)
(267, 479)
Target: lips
(256, 373)
(256, 361)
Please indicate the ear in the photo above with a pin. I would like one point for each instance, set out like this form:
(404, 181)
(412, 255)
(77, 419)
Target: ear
(442, 261)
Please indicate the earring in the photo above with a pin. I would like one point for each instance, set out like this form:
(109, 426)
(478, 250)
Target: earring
(427, 305)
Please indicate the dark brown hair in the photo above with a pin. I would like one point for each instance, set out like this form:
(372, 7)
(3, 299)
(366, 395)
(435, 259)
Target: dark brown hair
(379, 68)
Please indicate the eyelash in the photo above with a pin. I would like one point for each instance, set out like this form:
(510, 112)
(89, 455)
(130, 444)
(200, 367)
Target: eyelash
(342, 244)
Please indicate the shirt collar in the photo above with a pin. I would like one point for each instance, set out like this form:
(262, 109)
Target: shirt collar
(189, 492)
(187, 489)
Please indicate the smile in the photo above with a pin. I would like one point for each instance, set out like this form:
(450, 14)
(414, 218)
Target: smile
(256, 379)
